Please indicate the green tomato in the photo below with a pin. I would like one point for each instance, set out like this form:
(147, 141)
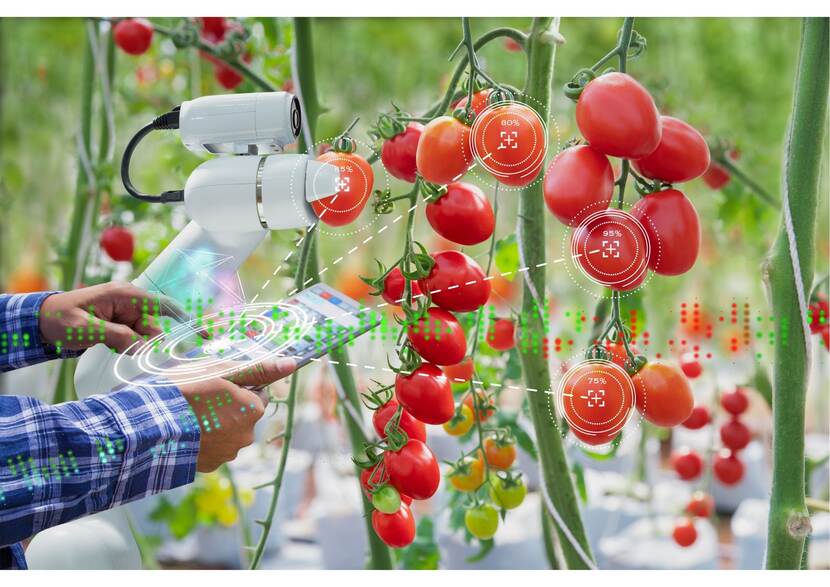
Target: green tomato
(387, 500)
(482, 521)
(507, 496)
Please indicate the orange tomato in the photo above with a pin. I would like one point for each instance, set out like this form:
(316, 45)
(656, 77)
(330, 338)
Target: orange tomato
(499, 455)
(443, 153)
(662, 394)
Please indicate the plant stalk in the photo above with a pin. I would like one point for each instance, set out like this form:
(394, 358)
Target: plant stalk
(379, 555)
(789, 522)
(555, 471)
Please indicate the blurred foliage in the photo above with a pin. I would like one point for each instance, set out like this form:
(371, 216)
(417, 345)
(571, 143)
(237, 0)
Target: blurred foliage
(732, 78)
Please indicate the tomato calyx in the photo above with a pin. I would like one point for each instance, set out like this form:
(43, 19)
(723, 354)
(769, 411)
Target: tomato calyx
(573, 89)
(432, 192)
(465, 116)
(390, 125)
(375, 398)
(416, 265)
(409, 360)
(345, 143)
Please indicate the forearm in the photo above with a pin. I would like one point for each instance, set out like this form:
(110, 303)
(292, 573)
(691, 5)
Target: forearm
(58, 463)
(20, 340)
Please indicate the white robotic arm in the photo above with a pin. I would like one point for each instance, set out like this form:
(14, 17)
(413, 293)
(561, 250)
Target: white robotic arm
(232, 201)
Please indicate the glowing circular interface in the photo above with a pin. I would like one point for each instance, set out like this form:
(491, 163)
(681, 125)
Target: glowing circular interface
(510, 141)
(217, 344)
(612, 248)
(595, 397)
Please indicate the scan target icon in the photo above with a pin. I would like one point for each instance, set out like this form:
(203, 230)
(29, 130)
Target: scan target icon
(612, 249)
(595, 398)
(510, 141)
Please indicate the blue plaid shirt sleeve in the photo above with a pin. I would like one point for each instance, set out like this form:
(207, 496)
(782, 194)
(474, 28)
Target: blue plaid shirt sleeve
(58, 463)
(20, 344)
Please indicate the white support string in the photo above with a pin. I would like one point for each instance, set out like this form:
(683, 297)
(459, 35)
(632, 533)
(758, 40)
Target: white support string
(794, 260)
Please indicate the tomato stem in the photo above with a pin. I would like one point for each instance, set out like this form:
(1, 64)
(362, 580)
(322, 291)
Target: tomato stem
(556, 474)
(789, 518)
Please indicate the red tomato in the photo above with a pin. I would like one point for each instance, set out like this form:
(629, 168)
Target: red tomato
(413, 470)
(510, 142)
(512, 45)
(697, 419)
(735, 402)
(460, 372)
(690, 366)
(226, 75)
(673, 229)
(213, 28)
(438, 337)
(596, 398)
(393, 287)
(682, 154)
(443, 154)
(663, 395)
(480, 100)
(483, 414)
(501, 335)
(728, 468)
(463, 215)
(735, 435)
(395, 530)
(499, 456)
(687, 464)
(118, 243)
(617, 116)
(456, 282)
(819, 312)
(825, 336)
(398, 153)
(133, 35)
(356, 181)
(578, 182)
(716, 177)
(684, 533)
(701, 505)
(426, 394)
(610, 246)
(413, 428)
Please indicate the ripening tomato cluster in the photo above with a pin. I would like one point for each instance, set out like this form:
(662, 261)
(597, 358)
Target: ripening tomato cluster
(135, 35)
(618, 118)
(734, 436)
(661, 394)
(508, 139)
(701, 505)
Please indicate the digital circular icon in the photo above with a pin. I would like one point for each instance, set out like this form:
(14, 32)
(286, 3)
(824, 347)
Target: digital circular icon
(595, 397)
(509, 140)
(612, 248)
(217, 344)
(354, 188)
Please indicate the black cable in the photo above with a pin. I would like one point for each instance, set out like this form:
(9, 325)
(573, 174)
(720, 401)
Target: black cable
(167, 121)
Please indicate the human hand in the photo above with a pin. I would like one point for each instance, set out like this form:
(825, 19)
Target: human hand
(117, 314)
(227, 411)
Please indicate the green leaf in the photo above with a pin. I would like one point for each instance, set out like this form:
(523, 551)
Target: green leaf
(761, 382)
(507, 256)
(513, 369)
(599, 456)
(579, 479)
(486, 547)
(423, 553)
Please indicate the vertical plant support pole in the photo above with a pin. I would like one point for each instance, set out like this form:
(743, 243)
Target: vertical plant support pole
(379, 555)
(69, 255)
(789, 521)
(556, 475)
